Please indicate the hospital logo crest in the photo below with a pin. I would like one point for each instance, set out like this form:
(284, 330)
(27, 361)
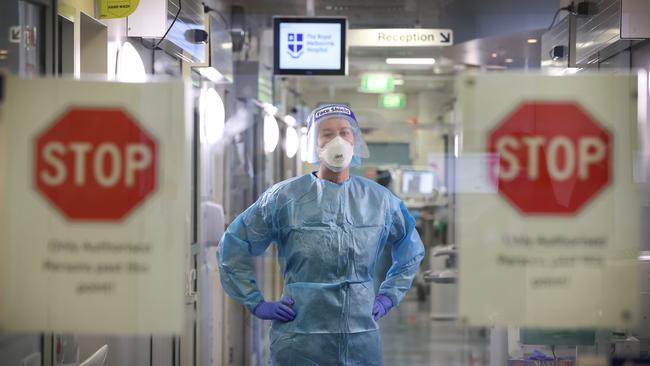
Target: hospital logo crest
(295, 45)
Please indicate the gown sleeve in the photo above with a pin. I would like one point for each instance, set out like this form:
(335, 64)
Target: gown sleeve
(248, 236)
(407, 253)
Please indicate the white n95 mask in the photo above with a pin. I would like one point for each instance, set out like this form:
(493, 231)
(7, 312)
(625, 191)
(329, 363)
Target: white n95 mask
(336, 154)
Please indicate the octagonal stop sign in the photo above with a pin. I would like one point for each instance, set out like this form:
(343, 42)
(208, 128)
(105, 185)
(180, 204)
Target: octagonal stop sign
(95, 163)
(553, 157)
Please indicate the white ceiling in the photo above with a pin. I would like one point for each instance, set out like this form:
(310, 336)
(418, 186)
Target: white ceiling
(512, 46)
(511, 51)
(360, 13)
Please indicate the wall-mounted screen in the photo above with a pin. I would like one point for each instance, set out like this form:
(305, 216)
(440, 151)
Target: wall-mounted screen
(418, 182)
(309, 46)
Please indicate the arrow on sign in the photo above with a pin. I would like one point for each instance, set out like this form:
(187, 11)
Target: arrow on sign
(14, 34)
(445, 37)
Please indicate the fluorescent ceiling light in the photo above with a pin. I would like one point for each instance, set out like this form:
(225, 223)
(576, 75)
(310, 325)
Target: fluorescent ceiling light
(410, 61)
(532, 40)
(398, 82)
(509, 60)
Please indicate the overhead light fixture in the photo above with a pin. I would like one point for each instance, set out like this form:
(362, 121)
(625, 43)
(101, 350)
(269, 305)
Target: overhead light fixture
(130, 67)
(398, 82)
(226, 46)
(292, 142)
(213, 115)
(532, 40)
(290, 120)
(494, 55)
(269, 108)
(410, 61)
(4, 52)
(508, 60)
(271, 133)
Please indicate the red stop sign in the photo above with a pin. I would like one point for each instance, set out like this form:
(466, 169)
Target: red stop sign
(95, 163)
(553, 157)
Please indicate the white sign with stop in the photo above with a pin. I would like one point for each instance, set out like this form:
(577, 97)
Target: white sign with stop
(556, 243)
(94, 202)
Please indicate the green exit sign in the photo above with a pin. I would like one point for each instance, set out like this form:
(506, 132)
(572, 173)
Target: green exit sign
(377, 83)
(392, 101)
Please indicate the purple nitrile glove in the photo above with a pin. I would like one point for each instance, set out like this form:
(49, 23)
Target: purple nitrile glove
(382, 306)
(275, 310)
(539, 356)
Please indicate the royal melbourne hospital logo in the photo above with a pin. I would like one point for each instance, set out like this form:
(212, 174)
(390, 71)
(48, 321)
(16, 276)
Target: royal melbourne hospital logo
(295, 45)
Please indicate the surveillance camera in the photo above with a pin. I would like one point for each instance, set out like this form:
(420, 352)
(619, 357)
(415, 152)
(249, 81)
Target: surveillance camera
(558, 52)
(196, 36)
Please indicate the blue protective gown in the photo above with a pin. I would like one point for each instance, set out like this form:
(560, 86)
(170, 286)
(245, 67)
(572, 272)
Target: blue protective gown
(329, 237)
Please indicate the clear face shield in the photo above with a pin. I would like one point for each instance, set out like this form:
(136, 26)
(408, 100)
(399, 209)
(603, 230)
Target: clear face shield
(334, 138)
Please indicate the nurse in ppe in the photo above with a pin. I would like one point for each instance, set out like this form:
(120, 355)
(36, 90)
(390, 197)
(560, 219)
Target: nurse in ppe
(329, 228)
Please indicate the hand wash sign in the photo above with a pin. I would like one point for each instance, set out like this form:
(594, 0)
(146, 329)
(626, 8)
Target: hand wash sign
(310, 46)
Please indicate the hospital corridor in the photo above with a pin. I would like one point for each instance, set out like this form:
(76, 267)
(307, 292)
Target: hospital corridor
(324, 183)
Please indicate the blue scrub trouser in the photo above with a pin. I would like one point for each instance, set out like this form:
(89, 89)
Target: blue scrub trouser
(326, 349)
